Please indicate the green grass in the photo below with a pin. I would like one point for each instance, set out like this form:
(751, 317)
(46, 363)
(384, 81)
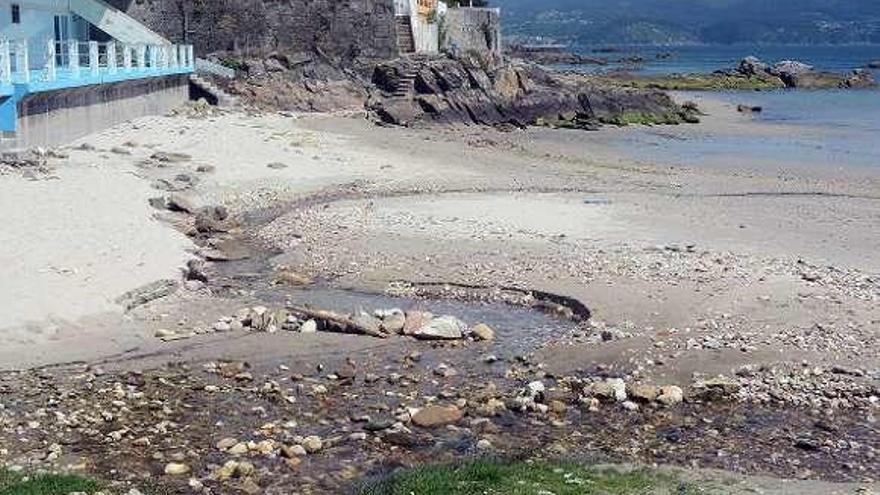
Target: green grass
(44, 484)
(486, 477)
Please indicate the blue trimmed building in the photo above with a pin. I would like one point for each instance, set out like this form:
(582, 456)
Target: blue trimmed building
(48, 48)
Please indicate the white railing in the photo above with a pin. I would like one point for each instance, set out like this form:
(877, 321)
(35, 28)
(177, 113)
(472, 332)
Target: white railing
(66, 60)
(5, 63)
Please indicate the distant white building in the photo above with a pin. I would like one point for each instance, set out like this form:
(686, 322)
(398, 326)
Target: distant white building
(427, 26)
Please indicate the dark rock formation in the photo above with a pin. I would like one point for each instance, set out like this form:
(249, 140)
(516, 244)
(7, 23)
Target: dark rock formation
(304, 82)
(794, 74)
(874, 65)
(489, 92)
(860, 78)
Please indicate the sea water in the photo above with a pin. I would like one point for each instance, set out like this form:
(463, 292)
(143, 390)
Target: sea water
(828, 129)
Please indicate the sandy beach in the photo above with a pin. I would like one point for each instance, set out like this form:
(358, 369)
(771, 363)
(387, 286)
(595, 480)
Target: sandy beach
(766, 275)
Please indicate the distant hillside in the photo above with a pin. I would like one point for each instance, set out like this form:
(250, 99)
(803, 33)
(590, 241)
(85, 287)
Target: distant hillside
(695, 21)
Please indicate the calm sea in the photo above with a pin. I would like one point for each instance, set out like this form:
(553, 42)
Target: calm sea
(708, 58)
(841, 129)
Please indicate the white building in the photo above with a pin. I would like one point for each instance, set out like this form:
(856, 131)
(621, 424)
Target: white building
(49, 46)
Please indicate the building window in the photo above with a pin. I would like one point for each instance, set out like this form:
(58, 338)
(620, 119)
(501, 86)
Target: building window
(16, 13)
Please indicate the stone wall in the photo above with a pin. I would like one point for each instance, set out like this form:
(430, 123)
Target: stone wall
(344, 28)
(477, 29)
(58, 117)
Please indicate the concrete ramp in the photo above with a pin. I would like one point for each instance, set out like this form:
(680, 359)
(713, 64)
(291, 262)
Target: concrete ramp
(115, 22)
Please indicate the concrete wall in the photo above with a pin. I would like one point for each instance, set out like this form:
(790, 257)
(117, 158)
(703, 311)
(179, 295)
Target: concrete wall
(58, 117)
(477, 29)
(336, 27)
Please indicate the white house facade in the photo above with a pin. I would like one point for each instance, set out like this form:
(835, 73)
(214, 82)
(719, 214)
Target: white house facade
(53, 45)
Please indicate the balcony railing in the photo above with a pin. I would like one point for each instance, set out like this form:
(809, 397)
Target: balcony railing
(76, 63)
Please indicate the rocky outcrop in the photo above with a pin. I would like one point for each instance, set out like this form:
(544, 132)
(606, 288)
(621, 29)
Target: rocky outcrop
(298, 81)
(794, 74)
(490, 91)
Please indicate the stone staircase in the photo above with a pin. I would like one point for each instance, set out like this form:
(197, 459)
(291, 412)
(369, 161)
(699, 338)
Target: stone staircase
(405, 85)
(215, 95)
(406, 43)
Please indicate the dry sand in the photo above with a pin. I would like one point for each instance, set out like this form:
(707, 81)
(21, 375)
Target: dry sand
(701, 270)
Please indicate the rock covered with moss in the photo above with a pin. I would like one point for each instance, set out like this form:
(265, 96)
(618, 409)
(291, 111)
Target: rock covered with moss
(492, 91)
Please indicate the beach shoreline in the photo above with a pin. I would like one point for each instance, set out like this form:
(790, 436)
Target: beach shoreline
(755, 274)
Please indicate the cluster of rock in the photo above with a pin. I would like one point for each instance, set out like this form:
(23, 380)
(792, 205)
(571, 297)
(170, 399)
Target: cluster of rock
(795, 74)
(29, 160)
(382, 323)
(303, 82)
(487, 91)
(814, 387)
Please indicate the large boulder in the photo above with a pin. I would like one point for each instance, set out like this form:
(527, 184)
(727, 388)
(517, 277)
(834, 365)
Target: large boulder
(442, 328)
(793, 74)
(752, 66)
(434, 416)
(859, 78)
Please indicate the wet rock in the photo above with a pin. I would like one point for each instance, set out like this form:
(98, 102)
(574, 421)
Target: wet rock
(239, 448)
(393, 321)
(643, 393)
(195, 270)
(416, 320)
(312, 444)
(749, 109)
(434, 416)
(483, 332)
(310, 326)
(293, 451)
(717, 388)
(670, 395)
(234, 469)
(210, 219)
(181, 203)
(367, 321)
(441, 328)
(226, 443)
(612, 389)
